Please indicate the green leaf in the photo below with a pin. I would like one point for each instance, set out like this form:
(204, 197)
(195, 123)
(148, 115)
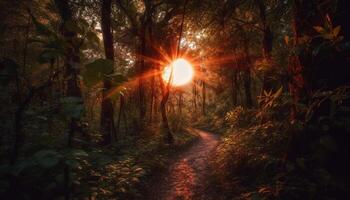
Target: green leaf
(48, 55)
(96, 71)
(47, 158)
(103, 160)
(22, 166)
(79, 153)
(92, 37)
(72, 163)
(73, 107)
(73, 27)
(117, 78)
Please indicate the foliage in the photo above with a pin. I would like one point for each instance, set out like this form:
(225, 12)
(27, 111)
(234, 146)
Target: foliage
(273, 104)
(96, 71)
(286, 141)
(253, 158)
(238, 117)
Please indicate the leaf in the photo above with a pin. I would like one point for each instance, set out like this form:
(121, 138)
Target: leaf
(48, 55)
(72, 163)
(22, 166)
(279, 92)
(36, 40)
(336, 31)
(115, 93)
(79, 153)
(328, 36)
(328, 21)
(96, 71)
(73, 107)
(103, 160)
(92, 37)
(286, 39)
(47, 158)
(319, 29)
(117, 78)
(73, 27)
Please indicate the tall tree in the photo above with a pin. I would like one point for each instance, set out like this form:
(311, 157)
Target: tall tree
(72, 51)
(72, 70)
(165, 123)
(107, 109)
(267, 41)
(247, 73)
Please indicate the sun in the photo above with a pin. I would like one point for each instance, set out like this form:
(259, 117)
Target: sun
(182, 72)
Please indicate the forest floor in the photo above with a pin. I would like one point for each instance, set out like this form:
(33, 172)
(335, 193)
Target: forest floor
(187, 177)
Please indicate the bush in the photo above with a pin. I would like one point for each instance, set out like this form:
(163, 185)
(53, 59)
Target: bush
(238, 117)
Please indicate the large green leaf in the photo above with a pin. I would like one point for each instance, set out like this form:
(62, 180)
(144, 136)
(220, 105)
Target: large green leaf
(92, 37)
(47, 158)
(117, 78)
(73, 27)
(96, 71)
(48, 55)
(73, 107)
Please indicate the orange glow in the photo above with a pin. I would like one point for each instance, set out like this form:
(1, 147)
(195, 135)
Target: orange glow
(182, 72)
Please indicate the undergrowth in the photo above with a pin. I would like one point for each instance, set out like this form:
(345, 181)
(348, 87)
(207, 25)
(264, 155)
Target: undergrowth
(265, 155)
(119, 171)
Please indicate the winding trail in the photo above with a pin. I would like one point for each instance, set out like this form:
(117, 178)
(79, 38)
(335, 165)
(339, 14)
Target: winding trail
(187, 176)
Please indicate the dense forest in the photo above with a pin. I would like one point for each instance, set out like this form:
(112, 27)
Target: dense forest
(174, 99)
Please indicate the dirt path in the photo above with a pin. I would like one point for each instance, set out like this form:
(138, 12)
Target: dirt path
(187, 176)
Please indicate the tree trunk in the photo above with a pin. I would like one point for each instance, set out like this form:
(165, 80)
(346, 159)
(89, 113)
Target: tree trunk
(247, 76)
(141, 70)
(72, 58)
(165, 123)
(72, 70)
(266, 46)
(194, 96)
(180, 101)
(107, 110)
(204, 96)
(234, 86)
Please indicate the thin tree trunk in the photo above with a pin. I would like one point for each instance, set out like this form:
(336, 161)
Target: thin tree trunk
(107, 110)
(180, 102)
(152, 99)
(153, 73)
(203, 97)
(266, 45)
(234, 86)
(122, 98)
(121, 110)
(165, 124)
(247, 76)
(141, 70)
(71, 62)
(195, 96)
